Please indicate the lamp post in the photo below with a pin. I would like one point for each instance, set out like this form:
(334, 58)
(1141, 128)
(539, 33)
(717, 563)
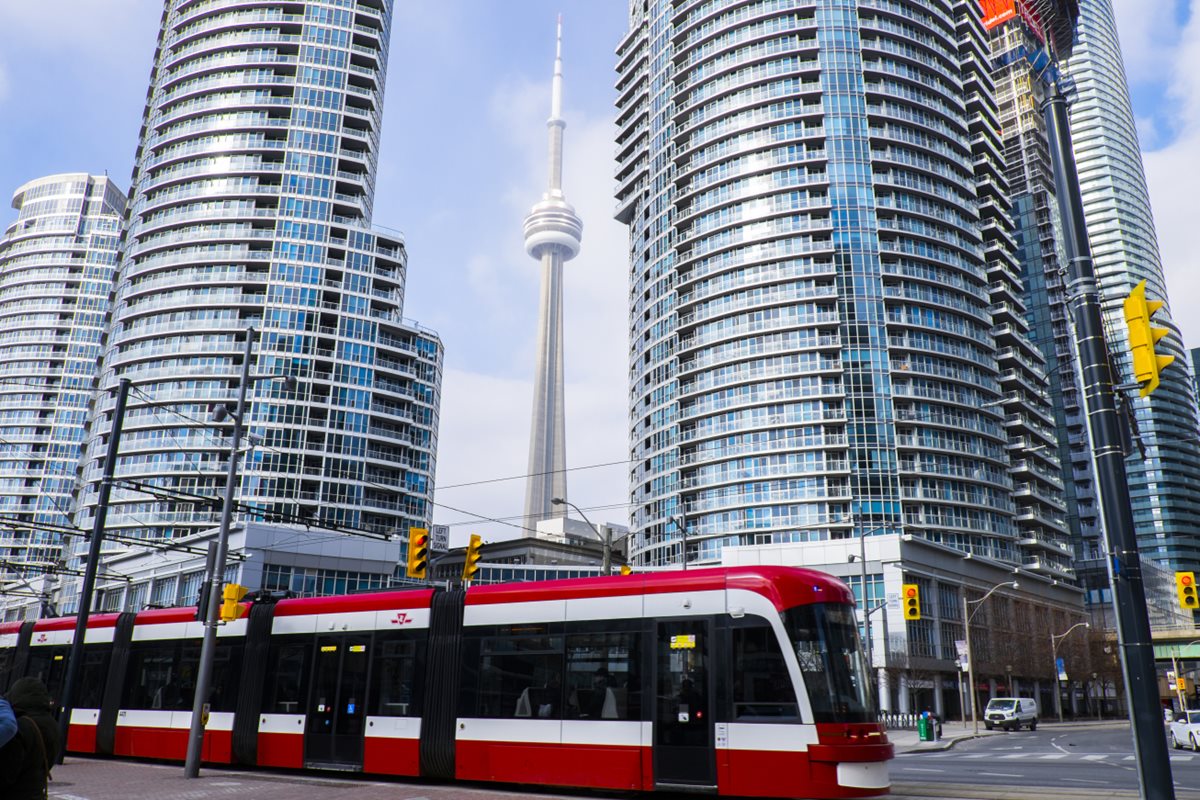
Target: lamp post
(1055, 641)
(968, 614)
(605, 540)
(208, 649)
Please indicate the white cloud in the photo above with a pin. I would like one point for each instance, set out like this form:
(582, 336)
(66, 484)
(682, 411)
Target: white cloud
(1148, 34)
(486, 415)
(1171, 173)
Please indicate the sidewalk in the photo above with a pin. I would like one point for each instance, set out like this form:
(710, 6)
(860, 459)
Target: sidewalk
(954, 732)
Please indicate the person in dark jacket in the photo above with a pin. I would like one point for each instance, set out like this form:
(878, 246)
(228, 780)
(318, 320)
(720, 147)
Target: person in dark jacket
(25, 761)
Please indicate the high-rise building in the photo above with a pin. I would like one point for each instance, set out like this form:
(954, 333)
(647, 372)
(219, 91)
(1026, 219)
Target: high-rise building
(1022, 51)
(827, 336)
(57, 261)
(251, 207)
(552, 236)
(1162, 485)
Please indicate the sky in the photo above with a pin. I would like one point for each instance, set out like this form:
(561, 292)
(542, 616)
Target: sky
(463, 157)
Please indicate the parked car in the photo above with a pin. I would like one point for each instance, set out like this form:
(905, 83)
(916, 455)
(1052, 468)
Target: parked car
(1011, 713)
(1185, 730)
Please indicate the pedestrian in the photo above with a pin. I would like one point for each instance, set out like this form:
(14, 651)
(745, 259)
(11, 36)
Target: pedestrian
(25, 760)
(8, 722)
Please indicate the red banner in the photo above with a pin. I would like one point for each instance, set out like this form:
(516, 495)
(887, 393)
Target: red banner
(996, 12)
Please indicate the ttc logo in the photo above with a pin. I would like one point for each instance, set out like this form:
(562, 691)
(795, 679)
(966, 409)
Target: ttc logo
(401, 619)
(41, 638)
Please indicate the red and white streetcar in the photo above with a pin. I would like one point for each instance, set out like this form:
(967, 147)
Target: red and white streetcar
(749, 681)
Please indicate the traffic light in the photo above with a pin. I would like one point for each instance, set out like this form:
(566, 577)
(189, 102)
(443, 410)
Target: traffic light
(911, 594)
(471, 563)
(626, 569)
(1185, 587)
(418, 552)
(1147, 364)
(231, 609)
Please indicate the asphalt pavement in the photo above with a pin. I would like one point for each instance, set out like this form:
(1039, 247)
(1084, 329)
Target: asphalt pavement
(1089, 758)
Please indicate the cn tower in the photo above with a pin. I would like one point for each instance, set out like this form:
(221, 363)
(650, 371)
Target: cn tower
(552, 235)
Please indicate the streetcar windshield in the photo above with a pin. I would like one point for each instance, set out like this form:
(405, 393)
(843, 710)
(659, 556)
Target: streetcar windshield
(825, 638)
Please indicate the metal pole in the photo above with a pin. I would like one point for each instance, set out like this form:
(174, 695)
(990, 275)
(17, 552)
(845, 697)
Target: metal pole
(1125, 566)
(970, 662)
(607, 564)
(962, 704)
(75, 659)
(1175, 671)
(1057, 687)
(862, 556)
(195, 746)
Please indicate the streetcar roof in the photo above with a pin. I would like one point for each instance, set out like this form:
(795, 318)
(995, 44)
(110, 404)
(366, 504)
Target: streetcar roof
(785, 587)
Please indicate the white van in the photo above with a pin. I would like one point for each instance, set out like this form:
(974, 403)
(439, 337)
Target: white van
(1011, 713)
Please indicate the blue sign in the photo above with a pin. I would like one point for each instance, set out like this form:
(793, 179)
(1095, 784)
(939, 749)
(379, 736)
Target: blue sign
(1062, 669)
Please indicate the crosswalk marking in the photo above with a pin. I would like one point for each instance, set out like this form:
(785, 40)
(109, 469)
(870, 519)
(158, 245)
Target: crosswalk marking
(1052, 756)
(1095, 757)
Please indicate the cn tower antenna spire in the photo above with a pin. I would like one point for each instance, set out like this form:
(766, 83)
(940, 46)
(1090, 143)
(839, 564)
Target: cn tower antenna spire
(552, 235)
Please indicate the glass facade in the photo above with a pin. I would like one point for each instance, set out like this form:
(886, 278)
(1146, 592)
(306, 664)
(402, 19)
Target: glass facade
(57, 261)
(827, 338)
(1162, 486)
(251, 206)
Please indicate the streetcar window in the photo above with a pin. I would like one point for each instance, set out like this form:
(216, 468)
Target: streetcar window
(287, 666)
(94, 675)
(393, 678)
(520, 675)
(603, 680)
(7, 656)
(159, 678)
(761, 685)
(163, 676)
(825, 638)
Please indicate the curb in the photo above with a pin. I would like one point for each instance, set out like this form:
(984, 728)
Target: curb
(946, 744)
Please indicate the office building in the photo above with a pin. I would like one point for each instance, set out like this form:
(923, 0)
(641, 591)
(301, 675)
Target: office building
(57, 261)
(251, 207)
(827, 335)
(1162, 484)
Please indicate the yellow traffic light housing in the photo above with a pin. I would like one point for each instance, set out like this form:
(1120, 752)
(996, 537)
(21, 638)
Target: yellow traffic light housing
(1185, 587)
(471, 562)
(1147, 364)
(418, 553)
(231, 608)
(910, 594)
(626, 569)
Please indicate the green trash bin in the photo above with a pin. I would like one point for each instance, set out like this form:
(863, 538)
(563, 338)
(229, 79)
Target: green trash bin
(924, 729)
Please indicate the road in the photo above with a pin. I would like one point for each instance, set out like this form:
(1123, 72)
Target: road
(1069, 758)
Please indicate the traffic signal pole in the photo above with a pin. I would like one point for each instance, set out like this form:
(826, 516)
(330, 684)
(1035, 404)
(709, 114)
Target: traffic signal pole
(75, 659)
(1125, 567)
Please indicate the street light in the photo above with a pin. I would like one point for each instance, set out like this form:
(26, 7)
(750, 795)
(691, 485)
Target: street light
(862, 557)
(606, 539)
(1055, 641)
(208, 649)
(968, 615)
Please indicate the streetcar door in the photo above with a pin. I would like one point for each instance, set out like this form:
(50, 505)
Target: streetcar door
(337, 706)
(683, 727)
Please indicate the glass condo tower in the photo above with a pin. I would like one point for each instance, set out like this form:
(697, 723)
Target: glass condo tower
(251, 207)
